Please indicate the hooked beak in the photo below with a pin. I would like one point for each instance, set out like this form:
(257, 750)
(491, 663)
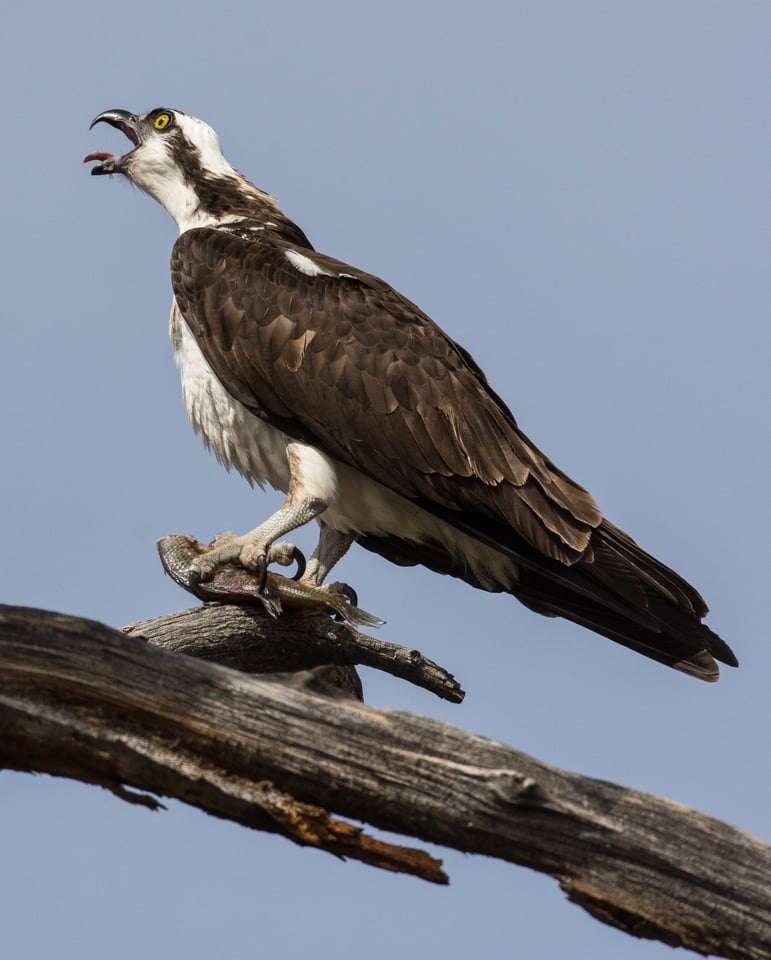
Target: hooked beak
(109, 162)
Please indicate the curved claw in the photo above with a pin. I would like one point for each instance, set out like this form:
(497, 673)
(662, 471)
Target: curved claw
(262, 570)
(299, 558)
(345, 590)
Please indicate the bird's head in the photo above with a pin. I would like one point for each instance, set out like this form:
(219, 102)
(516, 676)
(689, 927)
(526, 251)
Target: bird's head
(177, 159)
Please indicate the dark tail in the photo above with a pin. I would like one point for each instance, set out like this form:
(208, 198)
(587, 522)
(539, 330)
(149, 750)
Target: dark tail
(616, 590)
(628, 596)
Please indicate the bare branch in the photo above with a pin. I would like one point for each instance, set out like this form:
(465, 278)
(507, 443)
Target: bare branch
(80, 700)
(249, 639)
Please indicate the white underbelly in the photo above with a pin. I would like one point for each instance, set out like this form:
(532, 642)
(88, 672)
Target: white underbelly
(357, 503)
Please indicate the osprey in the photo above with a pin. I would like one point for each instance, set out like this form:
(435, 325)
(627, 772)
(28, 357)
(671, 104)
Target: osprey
(308, 374)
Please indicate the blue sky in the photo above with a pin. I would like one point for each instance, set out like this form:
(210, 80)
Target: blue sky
(576, 192)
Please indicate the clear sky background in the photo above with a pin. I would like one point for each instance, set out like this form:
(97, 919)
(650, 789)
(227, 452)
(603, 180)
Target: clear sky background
(578, 192)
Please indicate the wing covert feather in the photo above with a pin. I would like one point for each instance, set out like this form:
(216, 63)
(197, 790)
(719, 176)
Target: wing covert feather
(345, 361)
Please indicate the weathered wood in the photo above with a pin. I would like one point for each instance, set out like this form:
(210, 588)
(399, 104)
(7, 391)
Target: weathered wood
(250, 640)
(80, 700)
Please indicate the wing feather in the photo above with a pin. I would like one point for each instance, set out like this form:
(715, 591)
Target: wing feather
(344, 357)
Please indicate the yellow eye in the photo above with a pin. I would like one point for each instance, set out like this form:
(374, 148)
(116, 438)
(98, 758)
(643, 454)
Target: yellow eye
(162, 121)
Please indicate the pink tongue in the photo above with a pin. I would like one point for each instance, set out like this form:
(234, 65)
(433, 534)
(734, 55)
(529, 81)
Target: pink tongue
(98, 155)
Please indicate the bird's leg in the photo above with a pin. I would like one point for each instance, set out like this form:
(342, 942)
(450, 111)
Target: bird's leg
(331, 547)
(255, 550)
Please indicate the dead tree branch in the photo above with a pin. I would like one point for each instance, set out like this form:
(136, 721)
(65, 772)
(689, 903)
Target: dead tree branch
(249, 640)
(80, 700)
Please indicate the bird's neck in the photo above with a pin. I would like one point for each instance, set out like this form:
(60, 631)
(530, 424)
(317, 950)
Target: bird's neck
(234, 204)
(209, 200)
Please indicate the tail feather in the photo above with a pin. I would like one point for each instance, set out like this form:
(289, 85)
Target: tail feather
(617, 590)
(663, 617)
(691, 651)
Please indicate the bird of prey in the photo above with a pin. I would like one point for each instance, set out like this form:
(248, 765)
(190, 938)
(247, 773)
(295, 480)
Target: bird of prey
(308, 374)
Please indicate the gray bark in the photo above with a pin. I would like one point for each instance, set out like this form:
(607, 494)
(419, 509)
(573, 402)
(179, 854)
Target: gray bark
(81, 700)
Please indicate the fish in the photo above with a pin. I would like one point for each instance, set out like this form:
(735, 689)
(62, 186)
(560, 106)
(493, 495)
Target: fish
(235, 584)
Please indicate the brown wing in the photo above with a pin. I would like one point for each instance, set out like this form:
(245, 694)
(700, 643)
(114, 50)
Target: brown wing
(343, 360)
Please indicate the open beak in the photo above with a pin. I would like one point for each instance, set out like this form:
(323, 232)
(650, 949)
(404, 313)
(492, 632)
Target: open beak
(109, 162)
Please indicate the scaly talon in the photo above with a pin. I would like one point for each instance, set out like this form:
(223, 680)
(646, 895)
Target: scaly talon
(224, 549)
(247, 552)
(255, 550)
